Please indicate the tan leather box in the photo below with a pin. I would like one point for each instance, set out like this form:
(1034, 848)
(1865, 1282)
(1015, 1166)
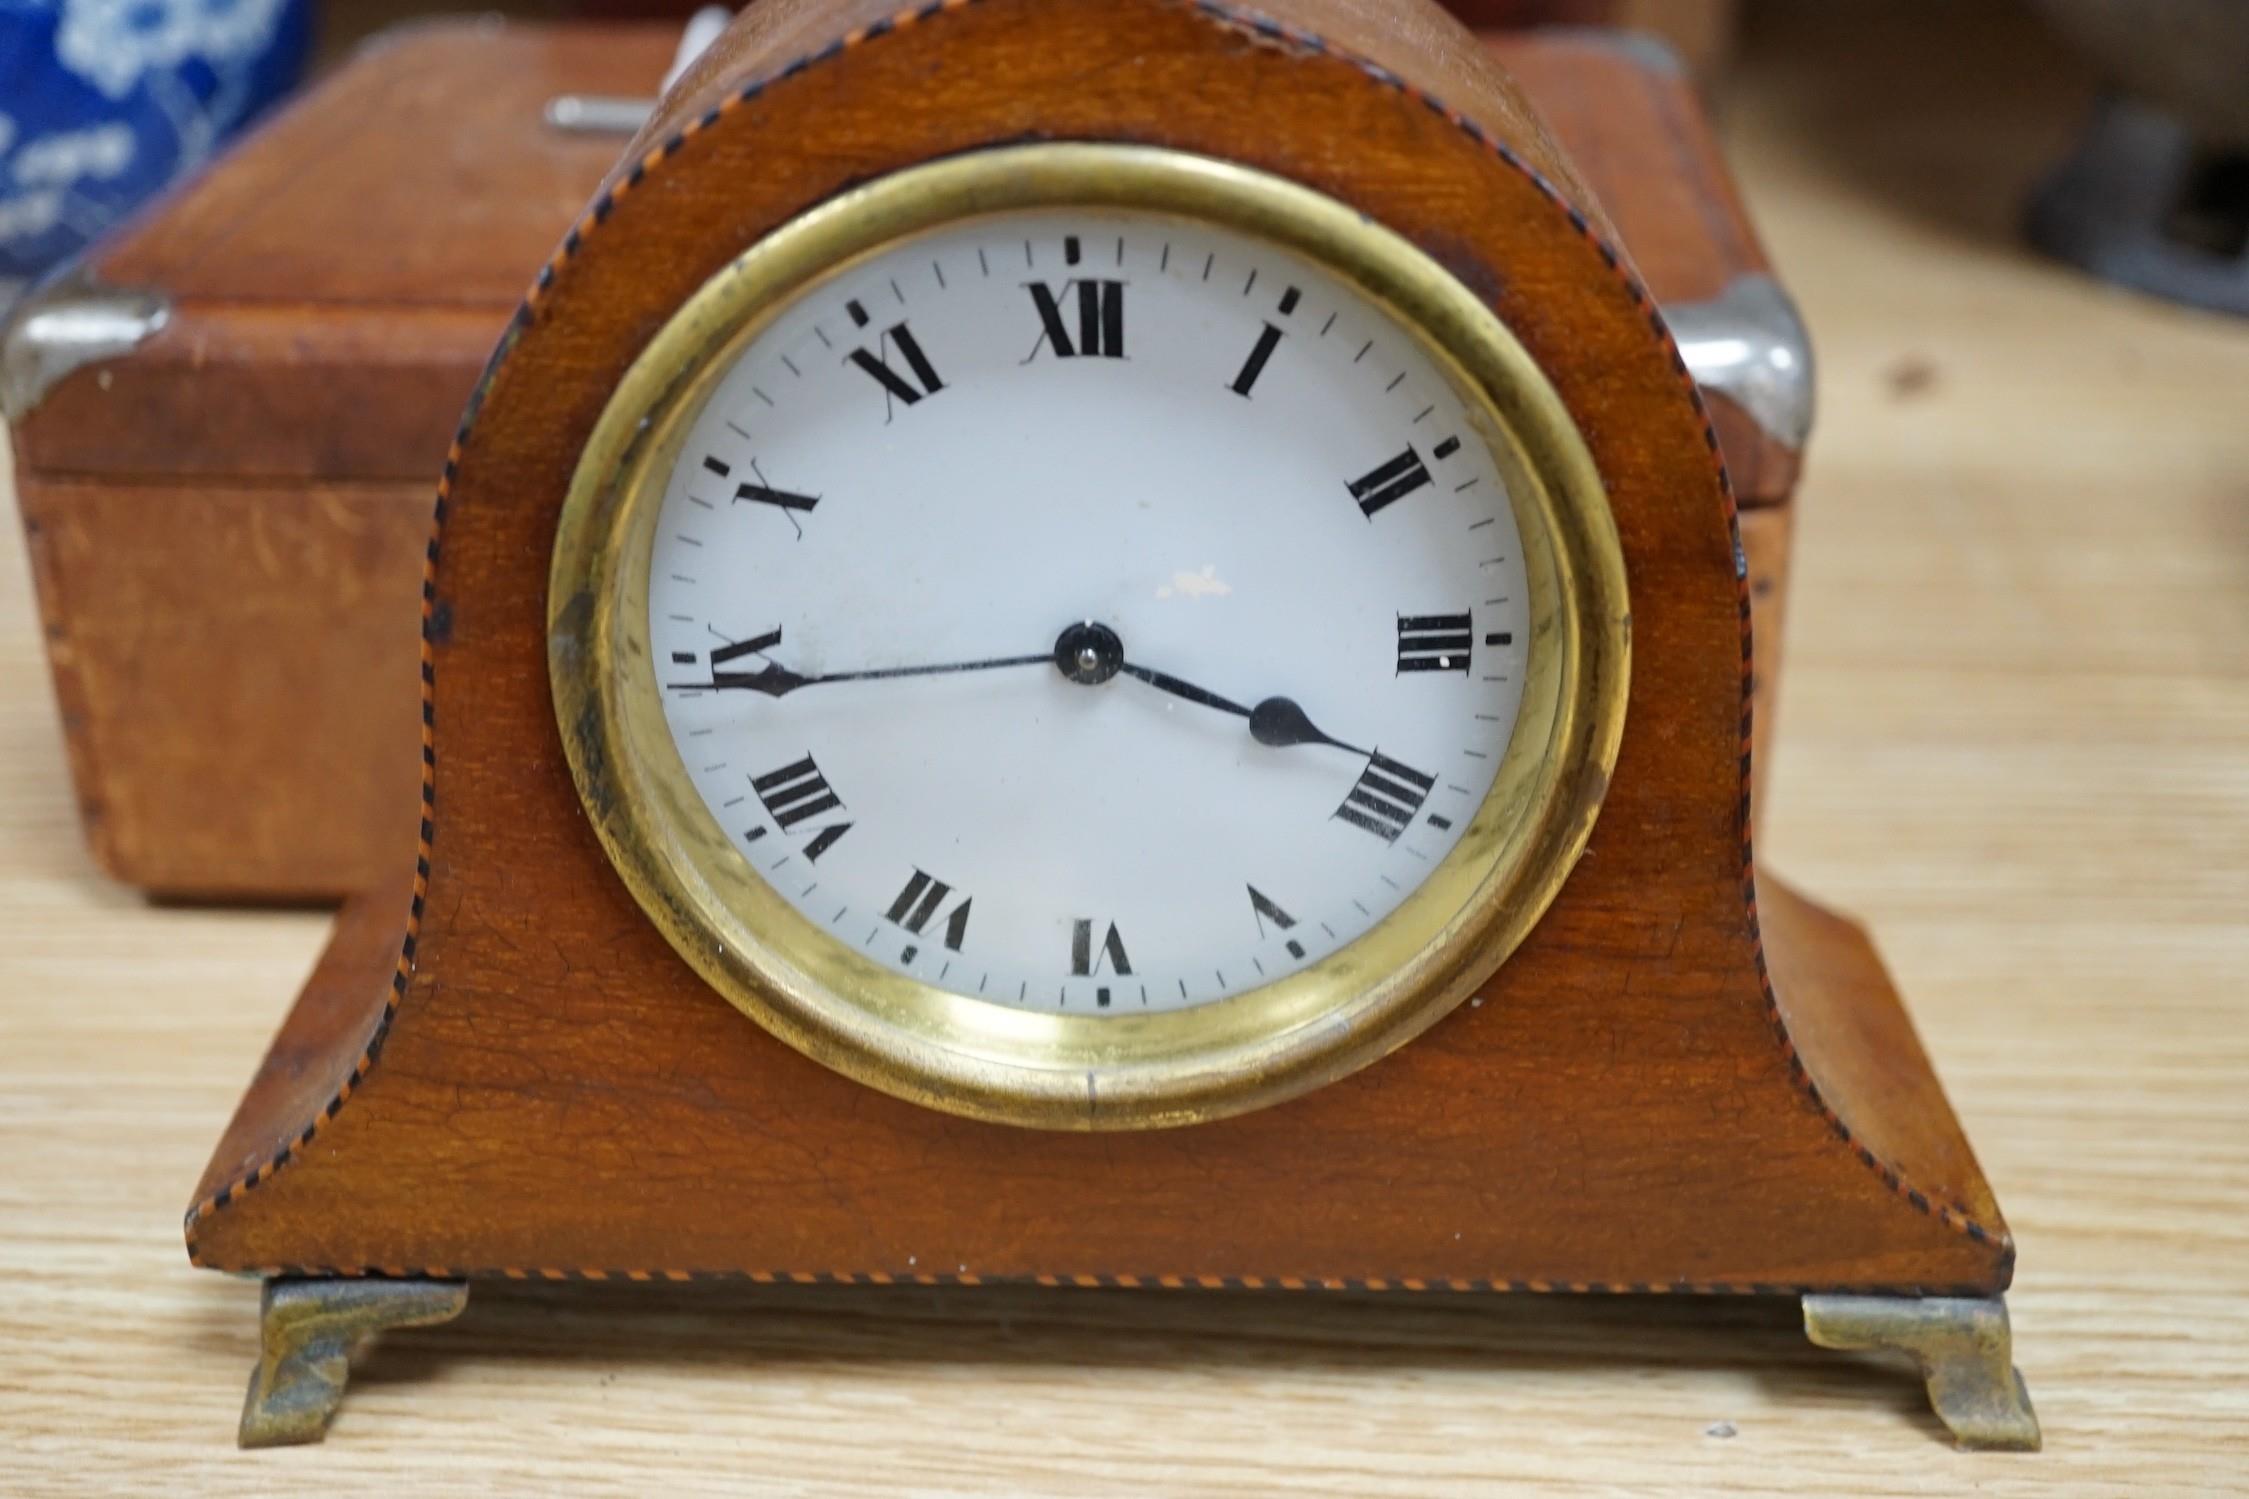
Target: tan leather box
(227, 423)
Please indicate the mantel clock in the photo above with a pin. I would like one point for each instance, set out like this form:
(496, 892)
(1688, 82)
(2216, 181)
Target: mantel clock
(1096, 641)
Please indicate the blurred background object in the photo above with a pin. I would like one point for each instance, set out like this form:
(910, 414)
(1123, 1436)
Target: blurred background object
(1700, 31)
(104, 103)
(2156, 195)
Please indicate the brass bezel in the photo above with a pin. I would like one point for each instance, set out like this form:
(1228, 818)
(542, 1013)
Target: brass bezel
(986, 1060)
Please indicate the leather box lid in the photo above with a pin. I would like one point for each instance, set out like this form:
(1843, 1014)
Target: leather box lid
(331, 289)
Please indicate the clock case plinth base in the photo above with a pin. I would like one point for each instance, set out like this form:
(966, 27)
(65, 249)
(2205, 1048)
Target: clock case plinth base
(1687, 1079)
(1964, 1348)
(310, 1329)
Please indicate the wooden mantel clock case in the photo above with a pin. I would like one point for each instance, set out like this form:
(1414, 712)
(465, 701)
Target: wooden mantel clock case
(1131, 671)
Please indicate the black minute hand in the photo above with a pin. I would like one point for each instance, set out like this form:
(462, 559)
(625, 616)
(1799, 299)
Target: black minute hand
(775, 680)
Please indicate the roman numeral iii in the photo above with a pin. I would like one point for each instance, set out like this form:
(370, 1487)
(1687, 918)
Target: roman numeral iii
(797, 793)
(1390, 483)
(895, 387)
(919, 904)
(1433, 642)
(1086, 959)
(1100, 319)
(1386, 798)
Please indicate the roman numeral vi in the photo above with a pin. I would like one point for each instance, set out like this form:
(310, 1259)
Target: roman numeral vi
(1086, 960)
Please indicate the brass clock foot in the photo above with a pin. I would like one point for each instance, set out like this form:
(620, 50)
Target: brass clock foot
(1964, 1348)
(308, 1330)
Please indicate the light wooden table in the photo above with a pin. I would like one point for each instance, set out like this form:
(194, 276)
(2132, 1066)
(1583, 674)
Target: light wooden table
(2016, 737)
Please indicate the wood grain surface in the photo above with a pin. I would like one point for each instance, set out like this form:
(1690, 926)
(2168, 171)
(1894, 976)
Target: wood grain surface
(2017, 740)
(558, 1091)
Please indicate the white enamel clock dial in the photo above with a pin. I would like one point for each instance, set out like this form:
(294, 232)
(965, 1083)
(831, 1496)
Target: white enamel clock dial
(1093, 612)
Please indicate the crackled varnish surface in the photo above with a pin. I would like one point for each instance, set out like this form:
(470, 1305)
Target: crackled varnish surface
(554, 1092)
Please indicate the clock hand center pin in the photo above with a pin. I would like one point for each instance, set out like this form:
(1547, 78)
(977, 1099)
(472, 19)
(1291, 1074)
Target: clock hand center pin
(1088, 653)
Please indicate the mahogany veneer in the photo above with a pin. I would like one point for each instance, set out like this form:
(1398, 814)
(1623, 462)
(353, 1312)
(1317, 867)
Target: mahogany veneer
(532, 1081)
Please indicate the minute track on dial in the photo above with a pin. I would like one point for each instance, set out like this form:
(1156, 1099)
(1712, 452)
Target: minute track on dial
(1140, 517)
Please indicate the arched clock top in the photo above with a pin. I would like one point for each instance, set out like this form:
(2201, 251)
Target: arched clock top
(1634, 1070)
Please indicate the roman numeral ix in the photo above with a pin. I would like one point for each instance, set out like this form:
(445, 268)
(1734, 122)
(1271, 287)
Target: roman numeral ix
(725, 655)
(1433, 642)
(795, 794)
(1386, 798)
(732, 651)
(756, 645)
(1100, 319)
